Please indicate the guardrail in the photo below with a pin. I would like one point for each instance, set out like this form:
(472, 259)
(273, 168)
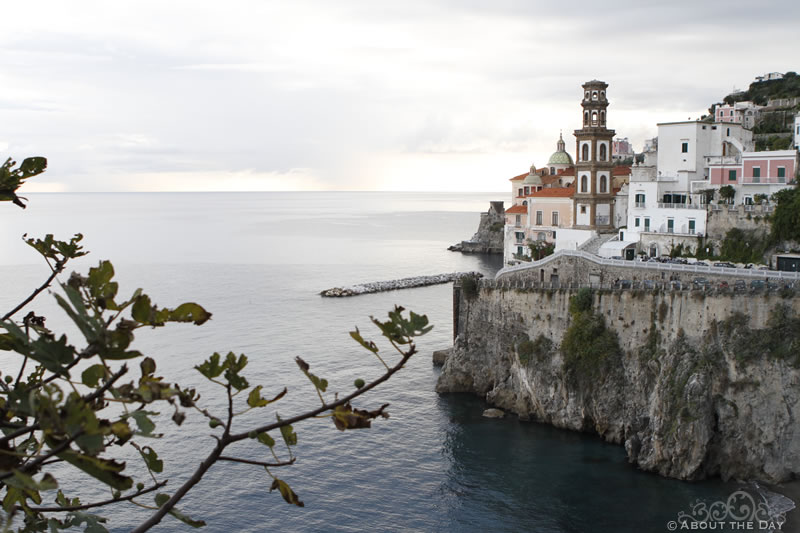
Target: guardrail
(629, 286)
(651, 266)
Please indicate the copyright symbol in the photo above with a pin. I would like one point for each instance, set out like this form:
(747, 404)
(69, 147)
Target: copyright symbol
(672, 525)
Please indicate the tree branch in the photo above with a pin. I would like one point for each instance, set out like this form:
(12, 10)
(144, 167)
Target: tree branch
(56, 271)
(257, 463)
(227, 439)
(88, 399)
(97, 504)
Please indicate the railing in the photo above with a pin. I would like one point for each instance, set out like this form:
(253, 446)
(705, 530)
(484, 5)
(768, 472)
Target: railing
(722, 160)
(742, 272)
(762, 180)
(664, 205)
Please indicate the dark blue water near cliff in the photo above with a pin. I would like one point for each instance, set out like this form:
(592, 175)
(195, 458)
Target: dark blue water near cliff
(257, 261)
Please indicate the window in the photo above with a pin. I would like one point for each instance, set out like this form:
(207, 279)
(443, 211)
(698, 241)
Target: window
(640, 200)
(586, 118)
(519, 250)
(685, 148)
(585, 152)
(594, 117)
(552, 170)
(647, 224)
(518, 220)
(756, 172)
(555, 218)
(691, 227)
(583, 210)
(732, 175)
(584, 184)
(670, 225)
(527, 190)
(603, 184)
(636, 222)
(713, 127)
(542, 236)
(728, 133)
(602, 152)
(781, 172)
(538, 218)
(602, 118)
(594, 95)
(519, 191)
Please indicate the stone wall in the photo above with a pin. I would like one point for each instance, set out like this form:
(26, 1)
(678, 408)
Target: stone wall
(689, 394)
(720, 221)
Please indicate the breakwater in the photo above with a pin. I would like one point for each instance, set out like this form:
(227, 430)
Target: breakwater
(393, 285)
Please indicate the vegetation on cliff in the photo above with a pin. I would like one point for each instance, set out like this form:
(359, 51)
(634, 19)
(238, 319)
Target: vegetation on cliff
(588, 346)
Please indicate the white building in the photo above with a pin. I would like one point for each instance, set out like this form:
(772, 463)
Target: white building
(665, 206)
(744, 113)
(797, 131)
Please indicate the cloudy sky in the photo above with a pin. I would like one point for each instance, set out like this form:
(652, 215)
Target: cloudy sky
(356, 95)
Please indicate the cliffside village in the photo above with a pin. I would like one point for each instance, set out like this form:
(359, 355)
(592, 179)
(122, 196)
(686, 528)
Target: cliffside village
(668, 197)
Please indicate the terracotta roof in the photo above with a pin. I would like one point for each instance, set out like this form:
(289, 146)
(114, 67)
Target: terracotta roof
(554, 192)
(551, 180)
(517, 209)
(566, 172)
(621, 170)
(615, 190)
(520, 177)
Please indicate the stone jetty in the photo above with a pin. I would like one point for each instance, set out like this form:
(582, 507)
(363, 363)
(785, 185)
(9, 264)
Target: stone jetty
(393, 285)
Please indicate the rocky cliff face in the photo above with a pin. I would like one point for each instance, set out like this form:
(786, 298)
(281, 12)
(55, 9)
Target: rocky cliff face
(489, 237)
(692, 384)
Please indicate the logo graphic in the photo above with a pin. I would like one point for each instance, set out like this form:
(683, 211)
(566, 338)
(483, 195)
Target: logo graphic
(740, 511)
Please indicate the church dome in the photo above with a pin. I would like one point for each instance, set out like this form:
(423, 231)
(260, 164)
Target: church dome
(560, 158)
(533, 178)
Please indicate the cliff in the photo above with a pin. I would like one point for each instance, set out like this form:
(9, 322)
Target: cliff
(693, 383)
(489, 237)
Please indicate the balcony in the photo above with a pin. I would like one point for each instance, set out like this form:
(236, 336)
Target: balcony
(763, 180)
(722, 160)
(663, 205)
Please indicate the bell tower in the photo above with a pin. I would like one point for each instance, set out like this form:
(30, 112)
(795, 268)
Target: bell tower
(594, 197)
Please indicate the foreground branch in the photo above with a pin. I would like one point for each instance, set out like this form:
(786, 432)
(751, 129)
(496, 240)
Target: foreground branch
(56, 271)
(97, 504)
(227, 439)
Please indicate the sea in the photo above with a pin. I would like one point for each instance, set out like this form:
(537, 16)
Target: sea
(258, 261)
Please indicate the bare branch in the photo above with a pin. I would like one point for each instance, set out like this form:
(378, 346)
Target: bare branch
(257, 463)
(97, 504)
(58, 268)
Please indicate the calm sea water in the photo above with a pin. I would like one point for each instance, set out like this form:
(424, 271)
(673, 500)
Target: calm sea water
(257, 261)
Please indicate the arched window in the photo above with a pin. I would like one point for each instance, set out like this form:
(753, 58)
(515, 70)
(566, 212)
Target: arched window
(552, 170)
(594, 95)
(525, 202)
(602, 95)
(602, 152)
(653, 250)
(594, 118)
(541, 236)
(603, 184)
(586, 96)
(584, 184)
(586, 118)
(585, 152)
(602, 118)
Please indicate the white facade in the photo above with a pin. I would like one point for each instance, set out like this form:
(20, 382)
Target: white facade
(571, 239)
(659, 201)
(797, 131)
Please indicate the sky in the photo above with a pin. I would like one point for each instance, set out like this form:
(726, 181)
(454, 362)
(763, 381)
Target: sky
(434, 95)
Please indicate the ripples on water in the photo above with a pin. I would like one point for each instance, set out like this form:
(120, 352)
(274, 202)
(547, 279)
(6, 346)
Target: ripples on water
(257, 262)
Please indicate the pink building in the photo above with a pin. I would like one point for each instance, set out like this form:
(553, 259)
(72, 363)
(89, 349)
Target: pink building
(754, 172)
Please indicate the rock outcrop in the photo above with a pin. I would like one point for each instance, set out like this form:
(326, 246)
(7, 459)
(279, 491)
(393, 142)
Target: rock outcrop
(489, 237)
(692, 384)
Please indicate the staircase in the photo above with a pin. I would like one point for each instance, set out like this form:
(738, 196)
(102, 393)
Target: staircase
(593, 245)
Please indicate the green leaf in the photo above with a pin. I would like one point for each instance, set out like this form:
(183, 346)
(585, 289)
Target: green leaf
(151, 458)
(254, 399)
(211, 367)
(93, 522)
(100, 286)
(92, 375)
(288, 434)
(371, 346)
(122, 431)
(287, 493)
(319, 383)
(146, 426)
(265, 439)
(162, 498)
(104, 470)
(233, 367)
(148, 366)
(190, 312)
(140, 311)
